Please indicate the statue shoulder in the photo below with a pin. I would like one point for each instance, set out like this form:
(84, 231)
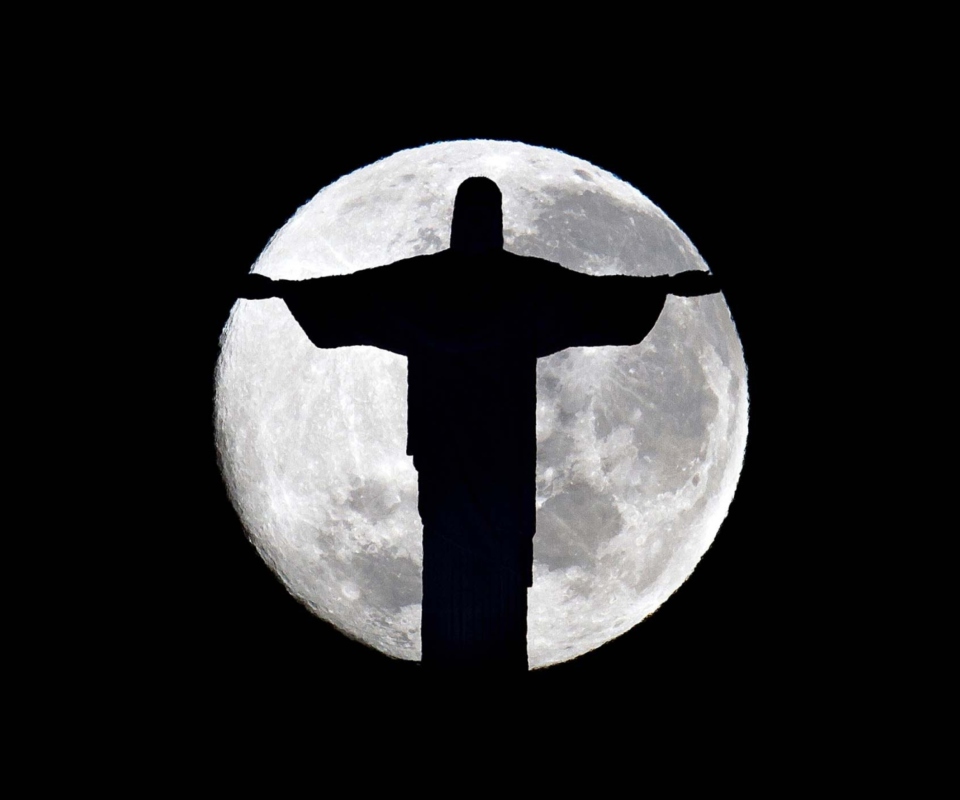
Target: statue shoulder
(536, 264)
(407, 268)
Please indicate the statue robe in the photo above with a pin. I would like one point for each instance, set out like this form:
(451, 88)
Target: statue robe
(472, 328)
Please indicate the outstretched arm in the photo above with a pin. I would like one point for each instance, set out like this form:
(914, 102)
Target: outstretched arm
(339, 310)
(690, 284)
(260, 287)
(593, 311)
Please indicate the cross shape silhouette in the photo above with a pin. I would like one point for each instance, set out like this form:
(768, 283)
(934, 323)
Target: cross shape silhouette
(472, 321)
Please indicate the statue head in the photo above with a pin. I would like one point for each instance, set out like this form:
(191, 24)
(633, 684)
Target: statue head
(477, 217)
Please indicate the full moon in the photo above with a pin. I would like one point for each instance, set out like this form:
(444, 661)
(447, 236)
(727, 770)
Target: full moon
(639, 448)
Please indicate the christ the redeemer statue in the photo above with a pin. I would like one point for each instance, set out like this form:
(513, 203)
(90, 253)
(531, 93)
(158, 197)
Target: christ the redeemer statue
(472, 322)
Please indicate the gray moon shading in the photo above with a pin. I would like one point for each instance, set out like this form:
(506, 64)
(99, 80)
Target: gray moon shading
(639, 448)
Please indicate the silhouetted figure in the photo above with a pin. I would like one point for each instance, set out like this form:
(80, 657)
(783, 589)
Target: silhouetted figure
(472, 322)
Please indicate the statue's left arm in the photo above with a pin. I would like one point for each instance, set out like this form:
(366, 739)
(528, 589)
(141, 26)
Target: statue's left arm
(593, 311)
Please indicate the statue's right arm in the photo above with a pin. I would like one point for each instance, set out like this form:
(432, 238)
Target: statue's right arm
(260, 287)
(338, 310)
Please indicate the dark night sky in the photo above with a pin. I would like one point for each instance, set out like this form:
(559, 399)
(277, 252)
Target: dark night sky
(734, 633)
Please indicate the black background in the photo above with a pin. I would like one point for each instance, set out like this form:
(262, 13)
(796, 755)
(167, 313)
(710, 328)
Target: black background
(741, 631)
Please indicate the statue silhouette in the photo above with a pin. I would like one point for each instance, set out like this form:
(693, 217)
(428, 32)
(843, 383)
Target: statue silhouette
(472, 322)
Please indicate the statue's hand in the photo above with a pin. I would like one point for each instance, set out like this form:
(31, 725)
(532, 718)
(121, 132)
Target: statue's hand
(258, 287)
(693, 284)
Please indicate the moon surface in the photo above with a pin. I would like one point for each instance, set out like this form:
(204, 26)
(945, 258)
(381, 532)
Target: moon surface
(639, 448)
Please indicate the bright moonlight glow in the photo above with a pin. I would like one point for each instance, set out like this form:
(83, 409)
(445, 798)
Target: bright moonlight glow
(639, 448)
